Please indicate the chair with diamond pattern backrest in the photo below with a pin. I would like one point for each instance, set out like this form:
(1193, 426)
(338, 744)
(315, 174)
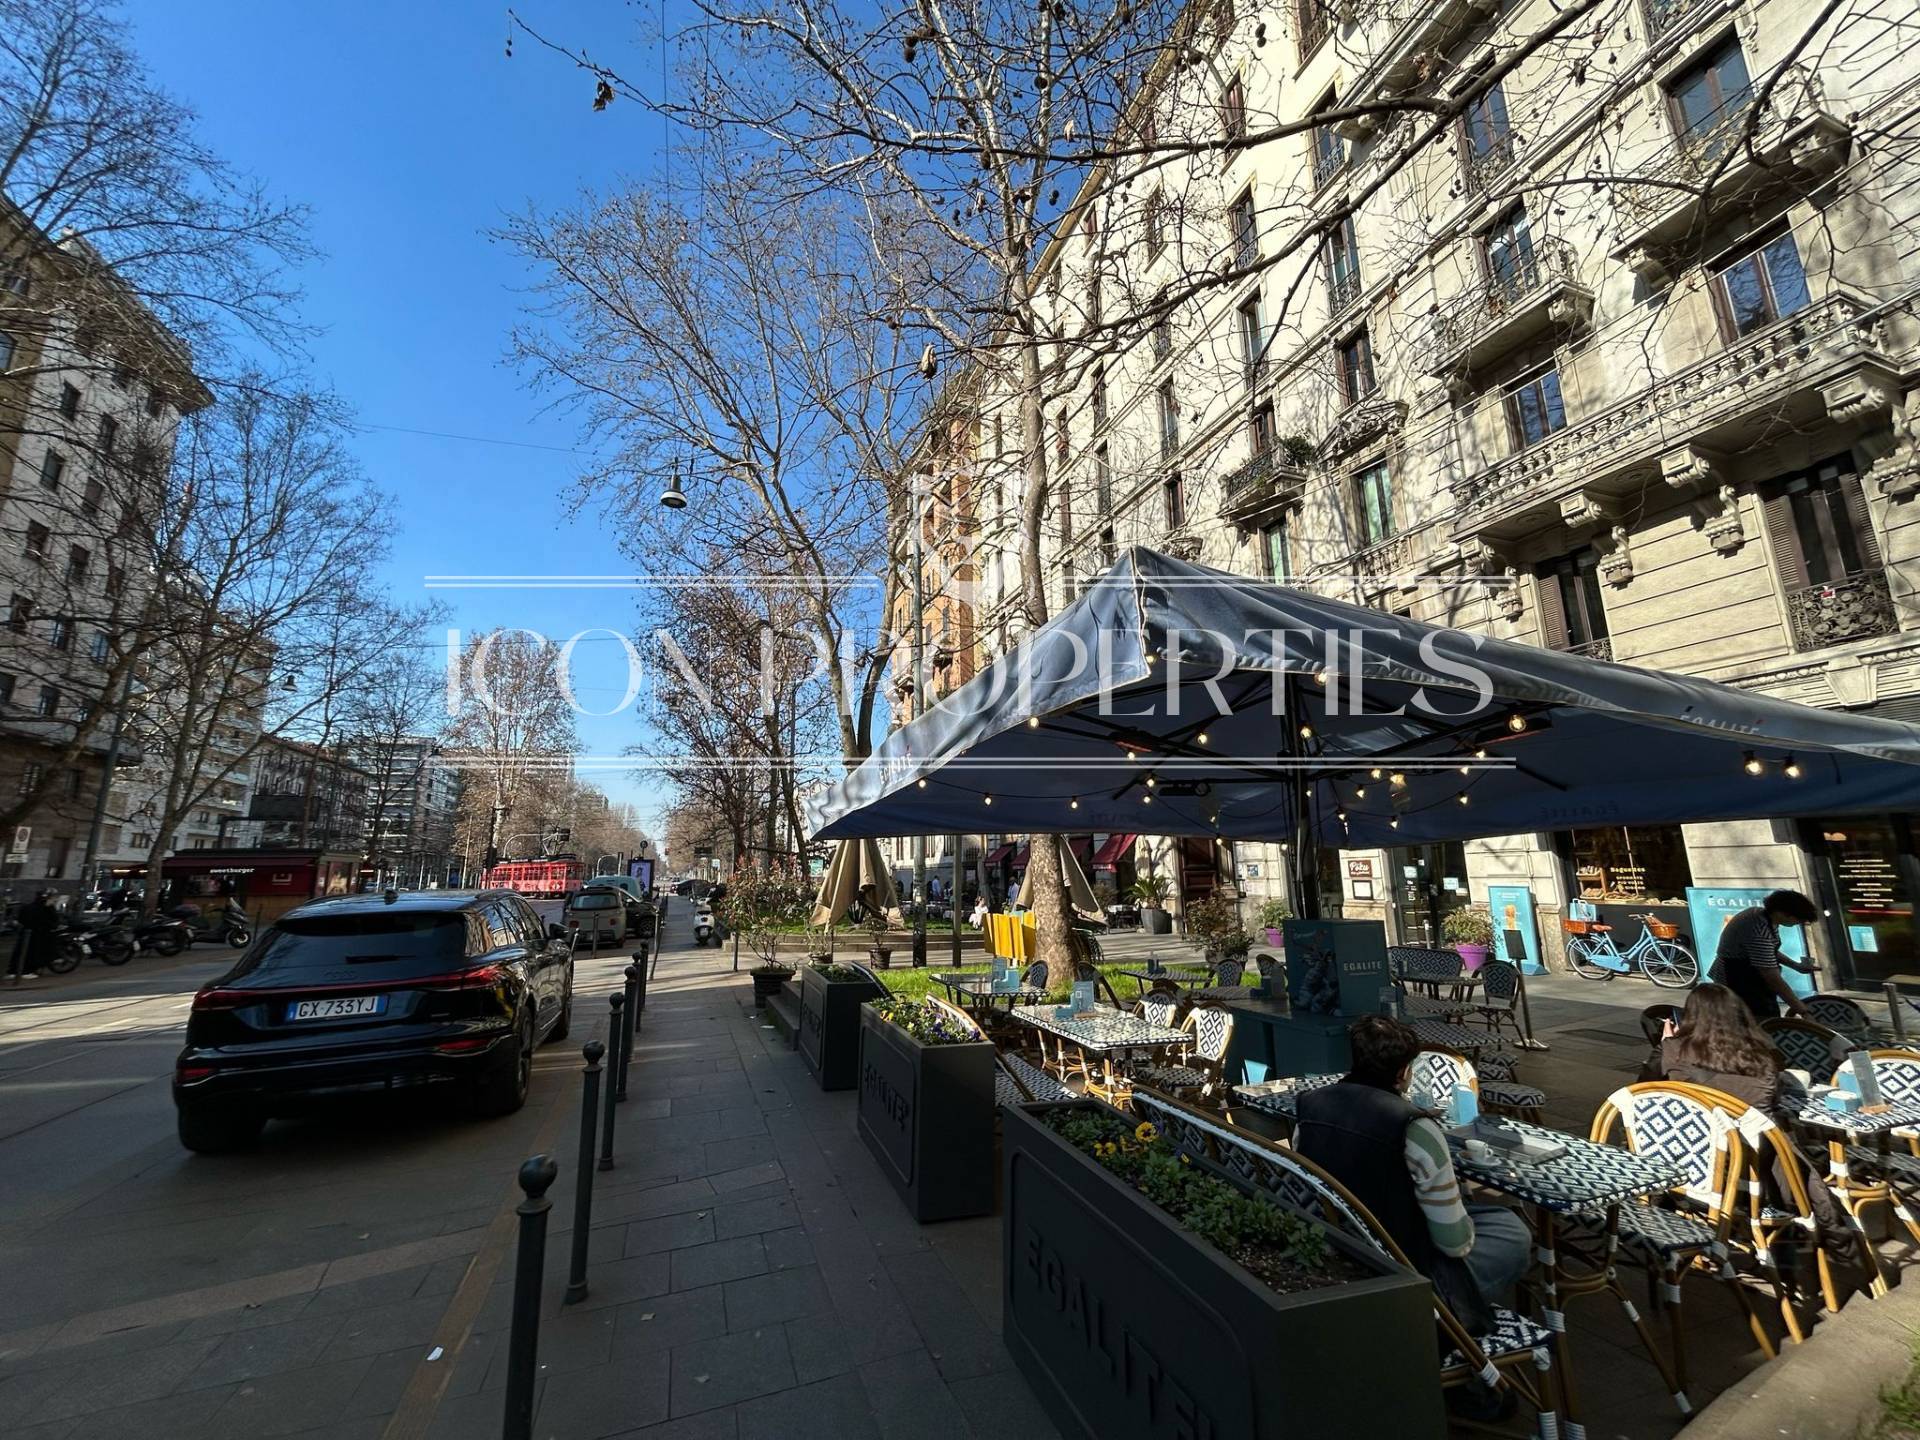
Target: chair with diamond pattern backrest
(1499, 1001)
(1429, 980)
(1035, 976)
(1777, 1206)
(1806, 1046)
(1690, 1231)
(1298, 1184)
(1837, 1012)
(1158, 1007)
(1230, 971)
(1202, 1068)
(1891, 1169)
(1438, 1072)
(1272, 968)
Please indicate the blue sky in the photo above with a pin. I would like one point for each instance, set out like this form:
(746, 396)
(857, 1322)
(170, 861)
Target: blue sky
(410, 134)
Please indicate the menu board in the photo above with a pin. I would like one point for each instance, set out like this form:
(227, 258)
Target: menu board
(1869, 881)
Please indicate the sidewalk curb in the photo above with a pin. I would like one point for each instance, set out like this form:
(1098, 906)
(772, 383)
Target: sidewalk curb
(1830, 1387)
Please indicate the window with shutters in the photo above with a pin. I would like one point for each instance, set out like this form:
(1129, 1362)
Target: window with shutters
(1831, 578)
(1373, 496)
(1573, 615)
(1274, 546)
(1173, 492)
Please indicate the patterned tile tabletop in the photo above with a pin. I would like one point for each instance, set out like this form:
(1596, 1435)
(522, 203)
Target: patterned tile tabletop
(1812, 1112)
(1100, 1029)
(1587, 1177)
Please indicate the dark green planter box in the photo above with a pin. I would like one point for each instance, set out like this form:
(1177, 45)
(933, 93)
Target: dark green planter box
(1268, 1043)
(927, 1114)
(1128, 1326)
(830, 1025)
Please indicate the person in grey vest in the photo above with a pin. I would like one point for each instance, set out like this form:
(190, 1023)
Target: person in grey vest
(1393, 1156)
(1748, 960)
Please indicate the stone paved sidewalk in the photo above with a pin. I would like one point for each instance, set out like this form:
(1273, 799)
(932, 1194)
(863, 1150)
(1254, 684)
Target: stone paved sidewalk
(752, 1273)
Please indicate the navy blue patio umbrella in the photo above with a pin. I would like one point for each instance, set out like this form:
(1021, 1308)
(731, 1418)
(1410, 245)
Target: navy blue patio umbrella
(1175, 699)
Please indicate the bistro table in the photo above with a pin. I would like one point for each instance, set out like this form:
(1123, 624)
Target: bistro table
(1589, 1178)
(1102, 1032)
(1841, 1128)
(1181, 973)
(1446, 1035)
(979, 990)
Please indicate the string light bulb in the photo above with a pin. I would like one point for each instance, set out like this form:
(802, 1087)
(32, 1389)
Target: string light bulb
(1399, 777)
(1480, 754)
(1753, 764)
(1341, 815)
(1320, 678)
(1074, 804)
(1394, 824)
(1359, 792)
(1145, 798)
(1202, 737)
(986, 799)
(1152, 781)
(1516, 722)
(1375, 772)
(1033, 722)
(1466, 769)
(1463, 797)
(1790, 768)
(1306, 732)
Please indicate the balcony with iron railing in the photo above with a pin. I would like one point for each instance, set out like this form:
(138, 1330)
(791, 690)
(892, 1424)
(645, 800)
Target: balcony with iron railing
(1329, 157)
(1268, 482)
(1600, 649)
(1853, 607)
(1480, 170)
(1777, 132)
(1666, 15)
(1820, 364)
(1536, 289)
(1343, 290)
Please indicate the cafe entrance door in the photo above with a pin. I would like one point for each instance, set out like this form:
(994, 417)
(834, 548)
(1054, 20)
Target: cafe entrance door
(1428, 882)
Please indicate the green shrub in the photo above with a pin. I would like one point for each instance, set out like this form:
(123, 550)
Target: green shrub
(1468, 925)
(1273, 913)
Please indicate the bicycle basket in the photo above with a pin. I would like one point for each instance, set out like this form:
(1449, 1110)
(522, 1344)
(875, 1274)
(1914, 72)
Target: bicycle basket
(1660, 929)
(1576, 927)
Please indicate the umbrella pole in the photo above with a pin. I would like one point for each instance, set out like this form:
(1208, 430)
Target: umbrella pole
(953, 900)
(1306, 850)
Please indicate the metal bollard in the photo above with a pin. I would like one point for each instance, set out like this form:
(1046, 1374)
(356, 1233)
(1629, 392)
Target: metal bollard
(630, 1017)
(1897, 1010)
(640, 959)
(616, 1002)
(583, 1182)
(523, 1350)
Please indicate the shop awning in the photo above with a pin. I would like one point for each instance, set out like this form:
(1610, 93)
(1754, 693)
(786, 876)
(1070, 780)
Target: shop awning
(1020, 857)
(1175, 699)
(999, 853)
(1111, 849)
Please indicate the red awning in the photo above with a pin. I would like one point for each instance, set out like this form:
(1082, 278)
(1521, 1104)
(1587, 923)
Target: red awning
(1111, 849)
(1020, 860)
(999, 853)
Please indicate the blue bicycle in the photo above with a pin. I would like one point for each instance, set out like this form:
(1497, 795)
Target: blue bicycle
(1659, 952)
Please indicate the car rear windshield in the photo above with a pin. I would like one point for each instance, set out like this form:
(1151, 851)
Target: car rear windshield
(597, 900)
(346, 949)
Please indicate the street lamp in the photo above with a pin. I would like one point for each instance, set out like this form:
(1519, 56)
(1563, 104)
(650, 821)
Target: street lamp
(673, 497)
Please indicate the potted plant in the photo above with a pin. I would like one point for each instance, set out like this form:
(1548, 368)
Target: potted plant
(1470, 931)
(926, 1105)
(1274, 914)
(1150, 892)
(1147, 1295)
(880, 952)
(830, 1000)
(819, 945)
(1215, 923)
(759, 905)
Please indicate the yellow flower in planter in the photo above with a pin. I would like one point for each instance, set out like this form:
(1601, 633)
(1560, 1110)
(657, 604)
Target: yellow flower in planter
(1145, 1131)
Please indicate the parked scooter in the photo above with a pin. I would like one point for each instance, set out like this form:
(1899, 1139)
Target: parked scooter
(73, 943)
(109, 934)
(231, 926)
(163, 934)
(705, 932)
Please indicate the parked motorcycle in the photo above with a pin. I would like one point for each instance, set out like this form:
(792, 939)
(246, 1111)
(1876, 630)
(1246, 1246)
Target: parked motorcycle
(705, 932)
(109, 934)
(230, 926)
(164, 935)
(70, 944)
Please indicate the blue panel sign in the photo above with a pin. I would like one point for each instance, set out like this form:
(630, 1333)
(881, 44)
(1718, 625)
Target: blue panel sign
(1336, 967)
(1516, 930)
(1709, 909)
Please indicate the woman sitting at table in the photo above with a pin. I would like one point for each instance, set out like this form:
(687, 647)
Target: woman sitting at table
(1393, 1156)
(1718, 1044)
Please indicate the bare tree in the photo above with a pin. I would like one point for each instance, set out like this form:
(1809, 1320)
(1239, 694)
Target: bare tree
(271, 610)
(512, 722)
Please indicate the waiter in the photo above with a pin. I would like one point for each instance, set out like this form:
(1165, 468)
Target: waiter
(1748, 959)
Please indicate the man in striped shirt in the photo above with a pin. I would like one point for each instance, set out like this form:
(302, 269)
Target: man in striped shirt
(1748, 960)
(1394, 1157)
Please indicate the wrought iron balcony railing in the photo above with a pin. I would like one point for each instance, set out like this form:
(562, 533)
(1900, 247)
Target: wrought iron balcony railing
(1480, 169)
(1751, 377)
(1540, 281)
(1343, 290)
(1854, 607)
(1273, 465)
(1329, 157)
(1600, 649)
(1664, 15)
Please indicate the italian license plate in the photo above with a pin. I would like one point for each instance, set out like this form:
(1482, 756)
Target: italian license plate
(345, 1008)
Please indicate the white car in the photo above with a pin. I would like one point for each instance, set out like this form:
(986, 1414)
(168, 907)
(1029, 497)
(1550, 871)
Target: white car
(597, 917)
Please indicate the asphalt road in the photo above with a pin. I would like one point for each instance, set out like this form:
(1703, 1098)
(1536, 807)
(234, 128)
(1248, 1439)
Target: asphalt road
(111, 1226)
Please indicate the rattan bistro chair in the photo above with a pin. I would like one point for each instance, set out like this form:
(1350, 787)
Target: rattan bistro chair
(1201, 1070)
(1690, 1232)
(1840, 1014)
(1807, 1046)
(1497, 1359)
(1888, 1174)
(1499, 1001)
(1439, 1072)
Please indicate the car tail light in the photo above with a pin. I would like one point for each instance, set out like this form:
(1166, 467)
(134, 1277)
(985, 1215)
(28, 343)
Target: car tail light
(483, 977)
(191, 1074)
(461, 1047)
(214, 998)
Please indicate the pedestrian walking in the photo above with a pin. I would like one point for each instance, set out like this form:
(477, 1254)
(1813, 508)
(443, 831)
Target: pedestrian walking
(1748, 959)
(37, 921)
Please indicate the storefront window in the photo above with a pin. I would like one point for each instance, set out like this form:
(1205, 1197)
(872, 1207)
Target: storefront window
(1630, 863)
(1428, 881)
(1871, 876)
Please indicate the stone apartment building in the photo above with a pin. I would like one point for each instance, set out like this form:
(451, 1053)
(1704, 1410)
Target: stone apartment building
(306, 797)
(92, 389)
(1615, 361)
(412, 805)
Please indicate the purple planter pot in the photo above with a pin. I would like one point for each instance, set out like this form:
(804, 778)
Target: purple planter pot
(1473, 956)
